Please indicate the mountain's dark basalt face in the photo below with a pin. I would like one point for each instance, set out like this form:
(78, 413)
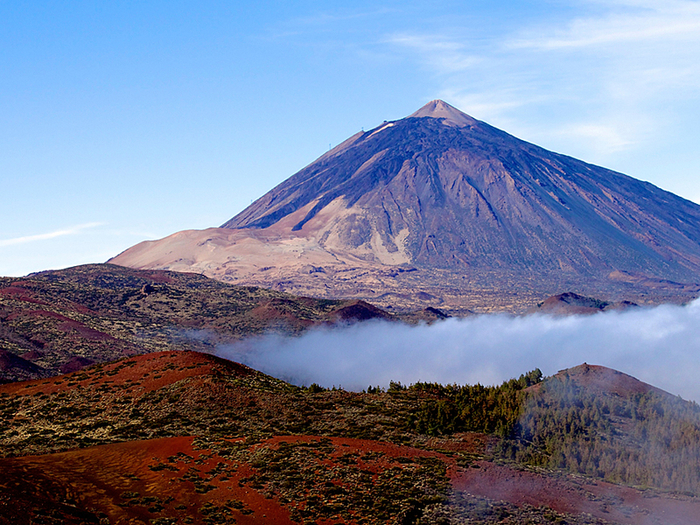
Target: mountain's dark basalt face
(448, 191)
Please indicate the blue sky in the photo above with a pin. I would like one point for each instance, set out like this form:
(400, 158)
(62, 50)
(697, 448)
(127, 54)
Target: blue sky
(124, 121)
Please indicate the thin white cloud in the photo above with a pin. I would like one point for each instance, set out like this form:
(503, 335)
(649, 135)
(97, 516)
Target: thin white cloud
(604, 138)
(50, 235)
(443, 55)
(491, 106)
(616, 30)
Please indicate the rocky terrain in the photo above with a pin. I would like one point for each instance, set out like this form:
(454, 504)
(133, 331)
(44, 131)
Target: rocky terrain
(439, 209)
(183, 437)
(60, 321)
(570, 303)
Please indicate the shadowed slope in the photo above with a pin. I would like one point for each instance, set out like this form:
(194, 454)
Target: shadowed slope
(570, 303)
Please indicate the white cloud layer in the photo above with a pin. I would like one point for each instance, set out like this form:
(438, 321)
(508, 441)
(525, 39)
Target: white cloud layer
(660, 346)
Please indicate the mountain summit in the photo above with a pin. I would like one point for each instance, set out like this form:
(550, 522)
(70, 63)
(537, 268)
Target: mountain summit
(442, 110)
(446, 205)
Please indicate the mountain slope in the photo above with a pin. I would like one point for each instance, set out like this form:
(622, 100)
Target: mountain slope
(451, 197)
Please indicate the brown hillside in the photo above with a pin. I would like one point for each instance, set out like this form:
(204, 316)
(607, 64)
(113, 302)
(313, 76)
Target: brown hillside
(61, 321)
(570, 303)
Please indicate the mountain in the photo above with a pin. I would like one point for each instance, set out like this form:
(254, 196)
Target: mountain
(444, 205)
(184, 437)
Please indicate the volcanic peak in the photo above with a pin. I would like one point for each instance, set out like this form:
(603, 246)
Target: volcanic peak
(463, 204)
(440, 109)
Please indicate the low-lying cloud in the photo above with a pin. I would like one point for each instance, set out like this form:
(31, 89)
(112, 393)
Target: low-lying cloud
(659, 345)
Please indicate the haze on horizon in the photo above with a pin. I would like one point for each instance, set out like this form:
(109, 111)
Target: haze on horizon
(123, 123)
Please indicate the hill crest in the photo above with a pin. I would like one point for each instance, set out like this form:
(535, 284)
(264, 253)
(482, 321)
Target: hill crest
(603, 380)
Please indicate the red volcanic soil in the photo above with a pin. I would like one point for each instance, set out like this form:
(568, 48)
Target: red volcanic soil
(576, 496)
(189, 478)
(74, 330)
(134, 483)
(74, 364)
(146, 372)
(602, 380)
(273, 311)
(165, 478)
(20, 293)
(359, 311)
(466, 442)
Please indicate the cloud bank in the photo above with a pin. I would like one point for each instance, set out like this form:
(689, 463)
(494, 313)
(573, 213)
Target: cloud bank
(660, 346)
